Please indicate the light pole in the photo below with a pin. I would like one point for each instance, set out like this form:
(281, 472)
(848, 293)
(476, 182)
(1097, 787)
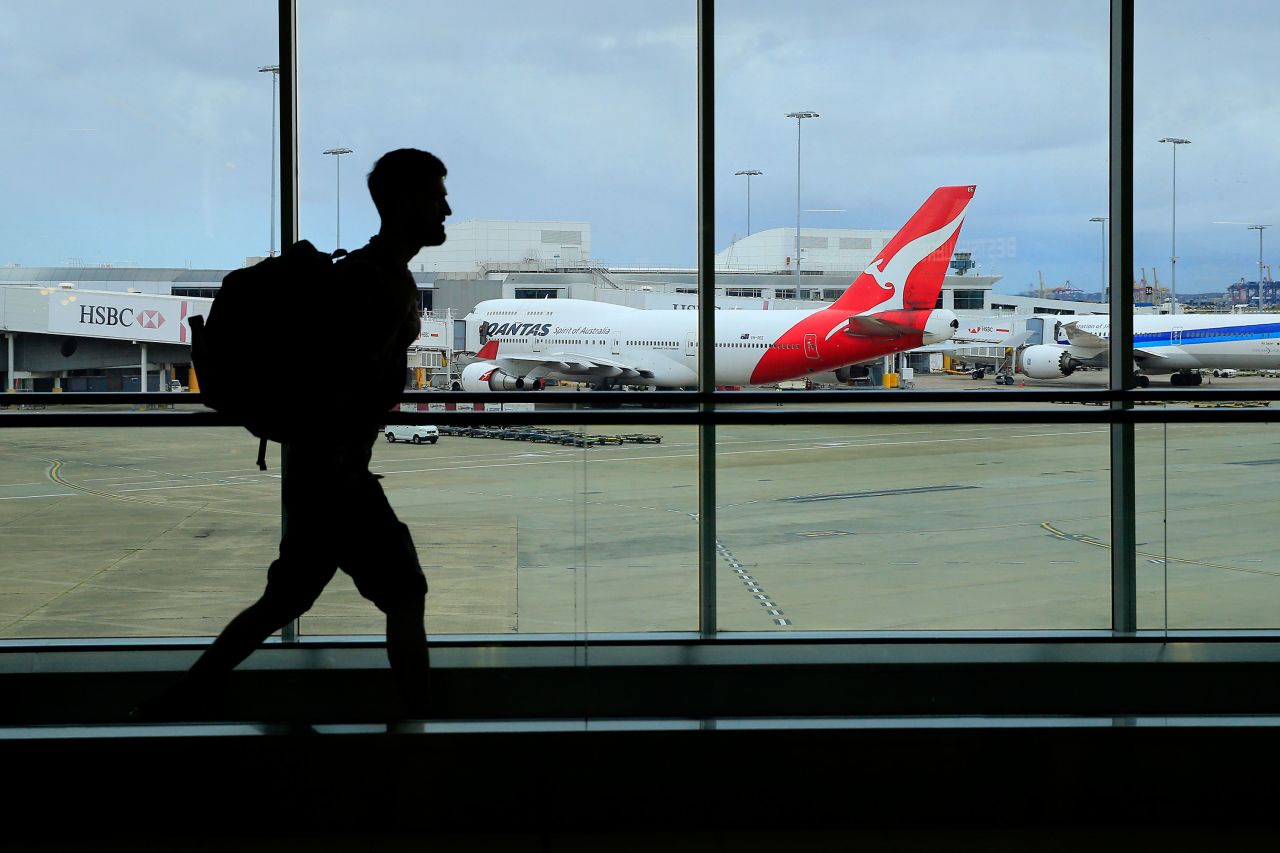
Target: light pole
(1106, 291)
(337, 161)
(1261, 288)
(275, 79)
(799, 117)
(1173, 250)
(749, 173)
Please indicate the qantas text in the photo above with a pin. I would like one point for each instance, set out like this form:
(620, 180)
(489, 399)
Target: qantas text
(538, 330)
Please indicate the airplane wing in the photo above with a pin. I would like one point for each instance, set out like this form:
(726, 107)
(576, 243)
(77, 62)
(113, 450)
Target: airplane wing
(871, 326)
(560, 362)
(1081, 339)
(1144, 355)
(1078, 337)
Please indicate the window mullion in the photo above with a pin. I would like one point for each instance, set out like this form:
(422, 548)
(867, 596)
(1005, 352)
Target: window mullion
(707, 621)
(1124, 608)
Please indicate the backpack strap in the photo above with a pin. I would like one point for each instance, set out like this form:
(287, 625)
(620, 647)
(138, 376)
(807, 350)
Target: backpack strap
(262, 454)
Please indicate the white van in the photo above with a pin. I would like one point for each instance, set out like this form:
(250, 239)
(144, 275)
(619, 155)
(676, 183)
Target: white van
(415, 434)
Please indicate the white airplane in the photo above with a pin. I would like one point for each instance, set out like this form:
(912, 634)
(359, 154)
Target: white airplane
(1178, 344)
(888, 308)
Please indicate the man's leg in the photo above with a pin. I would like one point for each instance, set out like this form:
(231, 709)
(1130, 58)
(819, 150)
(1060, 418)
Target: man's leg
(408, 655)
(244, 634)
(292, 588)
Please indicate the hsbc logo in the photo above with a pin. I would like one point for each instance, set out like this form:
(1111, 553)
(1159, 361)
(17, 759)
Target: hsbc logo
(102, 315)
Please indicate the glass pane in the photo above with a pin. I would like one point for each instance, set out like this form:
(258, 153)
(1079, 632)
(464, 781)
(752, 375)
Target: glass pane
(549, 254)
(553, 528)
(141, 138)
(139, 143)
(119, 532)
(1204, 185)
(947, 527)
(830, 137)
(571, 174)
(1203, 210)
(1209, 556)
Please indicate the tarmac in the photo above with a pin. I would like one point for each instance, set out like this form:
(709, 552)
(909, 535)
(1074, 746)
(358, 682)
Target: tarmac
(111, 532)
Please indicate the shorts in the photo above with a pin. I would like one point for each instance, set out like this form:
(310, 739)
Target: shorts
(336, 516)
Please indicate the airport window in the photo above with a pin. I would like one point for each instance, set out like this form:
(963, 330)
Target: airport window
(1050, 569)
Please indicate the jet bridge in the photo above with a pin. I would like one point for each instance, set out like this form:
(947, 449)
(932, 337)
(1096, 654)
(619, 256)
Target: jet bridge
(53, 330)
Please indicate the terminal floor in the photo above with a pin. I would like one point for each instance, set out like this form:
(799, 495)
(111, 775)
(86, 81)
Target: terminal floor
(894, 756)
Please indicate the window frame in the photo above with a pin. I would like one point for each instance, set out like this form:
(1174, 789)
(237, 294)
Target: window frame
(705, 407)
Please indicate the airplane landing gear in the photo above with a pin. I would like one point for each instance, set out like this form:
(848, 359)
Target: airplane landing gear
(1185, 378)
(1141, 381)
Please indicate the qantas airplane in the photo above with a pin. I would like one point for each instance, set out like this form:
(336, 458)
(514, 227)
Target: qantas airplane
(1178, 344)
(888, 308)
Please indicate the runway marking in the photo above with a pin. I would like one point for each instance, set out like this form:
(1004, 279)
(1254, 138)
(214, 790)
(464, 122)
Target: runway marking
(30, 497)
(55, 474)
(874, 493)
(1155, 558)
(753, 586)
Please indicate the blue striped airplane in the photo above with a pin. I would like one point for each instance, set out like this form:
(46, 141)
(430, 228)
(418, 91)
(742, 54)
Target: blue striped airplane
(1181, 345)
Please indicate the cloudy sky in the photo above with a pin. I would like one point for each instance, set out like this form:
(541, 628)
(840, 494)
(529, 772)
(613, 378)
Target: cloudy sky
(139, 131)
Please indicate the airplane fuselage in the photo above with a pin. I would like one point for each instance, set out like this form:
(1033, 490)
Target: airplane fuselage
(888, 308)
(660, 347)
(1199, 341)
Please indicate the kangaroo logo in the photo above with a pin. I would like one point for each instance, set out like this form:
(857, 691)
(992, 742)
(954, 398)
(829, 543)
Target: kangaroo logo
(877, 269)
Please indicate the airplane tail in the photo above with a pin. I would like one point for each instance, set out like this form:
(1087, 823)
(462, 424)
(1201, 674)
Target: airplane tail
(908, 272)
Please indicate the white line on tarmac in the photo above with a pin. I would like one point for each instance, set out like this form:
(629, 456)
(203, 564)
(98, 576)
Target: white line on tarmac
(29, 497)
(188, 486)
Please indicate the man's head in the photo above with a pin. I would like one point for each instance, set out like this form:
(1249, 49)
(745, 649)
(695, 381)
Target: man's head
(407, 186)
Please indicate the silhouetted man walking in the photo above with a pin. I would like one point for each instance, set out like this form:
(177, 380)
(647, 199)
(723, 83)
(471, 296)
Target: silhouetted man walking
(335, 512)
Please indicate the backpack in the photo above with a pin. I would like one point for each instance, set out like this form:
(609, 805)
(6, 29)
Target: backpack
(251, 334)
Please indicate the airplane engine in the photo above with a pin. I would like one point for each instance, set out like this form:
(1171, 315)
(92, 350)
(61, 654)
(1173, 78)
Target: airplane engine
(940, 326)
(853, 371)
(1045, 361)
(481, 376)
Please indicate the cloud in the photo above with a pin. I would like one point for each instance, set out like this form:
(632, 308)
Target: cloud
(122, 144)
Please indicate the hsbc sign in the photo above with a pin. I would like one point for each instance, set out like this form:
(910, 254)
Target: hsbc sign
(116, 315)
(102, 315)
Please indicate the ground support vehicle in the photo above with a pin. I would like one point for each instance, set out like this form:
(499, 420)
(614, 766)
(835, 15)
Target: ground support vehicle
(412, 433)
(642, 438)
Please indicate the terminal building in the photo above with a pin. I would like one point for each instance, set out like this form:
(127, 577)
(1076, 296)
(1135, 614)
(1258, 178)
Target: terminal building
(483, 259)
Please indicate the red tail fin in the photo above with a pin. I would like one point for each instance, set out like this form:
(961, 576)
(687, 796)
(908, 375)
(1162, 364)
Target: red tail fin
(908, 272)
